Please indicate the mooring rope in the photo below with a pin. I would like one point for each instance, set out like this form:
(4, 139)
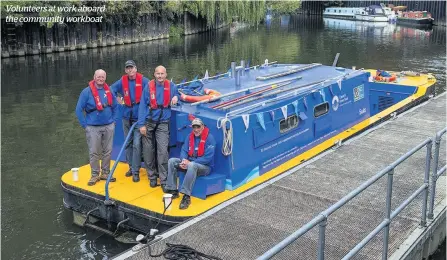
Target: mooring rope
(227, 145)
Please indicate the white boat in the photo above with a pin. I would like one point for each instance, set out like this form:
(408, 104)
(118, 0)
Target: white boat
(392, 17)
(341, 12)
(373, 13)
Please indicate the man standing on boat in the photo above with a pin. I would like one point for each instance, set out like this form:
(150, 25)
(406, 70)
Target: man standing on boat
(196, 157)
(130, 87)
(100, 107)
(153, 121)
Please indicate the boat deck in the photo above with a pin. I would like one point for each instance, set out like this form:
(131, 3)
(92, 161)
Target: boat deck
(250, 224)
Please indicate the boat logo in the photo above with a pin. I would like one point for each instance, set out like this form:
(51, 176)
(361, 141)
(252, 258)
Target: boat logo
(335, 103)
(359, 93)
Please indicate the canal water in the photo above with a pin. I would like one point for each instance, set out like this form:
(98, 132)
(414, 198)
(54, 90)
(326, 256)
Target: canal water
(41, 137)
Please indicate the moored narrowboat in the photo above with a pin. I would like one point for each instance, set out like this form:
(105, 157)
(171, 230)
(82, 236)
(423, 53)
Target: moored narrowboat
(417, 18)
(265, 119)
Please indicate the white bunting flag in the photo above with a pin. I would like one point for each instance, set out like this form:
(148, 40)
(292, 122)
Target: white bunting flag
(295, 105)
(339, 84)
(246, 119)
(206, 75)
(323, 95)
(261, 119)
(284, 111)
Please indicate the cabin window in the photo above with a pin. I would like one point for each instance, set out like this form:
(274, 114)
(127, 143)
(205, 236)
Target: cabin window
(321, 109)
(288, 124)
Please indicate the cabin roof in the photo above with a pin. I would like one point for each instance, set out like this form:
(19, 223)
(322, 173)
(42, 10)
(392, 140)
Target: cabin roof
(312, 79)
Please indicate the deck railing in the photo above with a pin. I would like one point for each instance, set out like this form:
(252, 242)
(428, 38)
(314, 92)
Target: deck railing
(107, 197)
(322, 218)
(435, 173)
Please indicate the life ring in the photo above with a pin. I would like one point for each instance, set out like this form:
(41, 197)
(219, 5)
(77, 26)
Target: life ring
(385, 79)
(209, 93)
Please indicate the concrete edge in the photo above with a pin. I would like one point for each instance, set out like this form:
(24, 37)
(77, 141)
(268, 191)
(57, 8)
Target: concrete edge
(136, 249)
(423, 241)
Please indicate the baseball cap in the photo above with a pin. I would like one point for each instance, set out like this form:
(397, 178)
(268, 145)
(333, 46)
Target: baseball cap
(130, 63)
(197, 121)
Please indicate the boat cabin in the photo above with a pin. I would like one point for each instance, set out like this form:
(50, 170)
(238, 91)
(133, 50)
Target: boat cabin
(272, 113)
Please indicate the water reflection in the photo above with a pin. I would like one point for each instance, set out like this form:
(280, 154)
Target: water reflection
(378, 29)
(41, 137)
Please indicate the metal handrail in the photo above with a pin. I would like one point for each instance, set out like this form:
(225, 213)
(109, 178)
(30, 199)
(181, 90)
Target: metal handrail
(322, 218)
(107, 199)
(435, 173)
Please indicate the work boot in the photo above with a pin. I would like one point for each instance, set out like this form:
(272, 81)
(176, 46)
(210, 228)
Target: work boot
(136, 178)
(186, 201)
(129, 173)
(174, 193)
(153, 183)
(104, 176)
(164, 189)
(93, 180)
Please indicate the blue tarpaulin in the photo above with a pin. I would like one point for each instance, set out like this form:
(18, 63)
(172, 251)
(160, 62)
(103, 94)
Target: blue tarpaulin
(192, 89)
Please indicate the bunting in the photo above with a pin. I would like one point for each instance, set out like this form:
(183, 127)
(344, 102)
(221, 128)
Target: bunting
(246, 119)
(272, 115)
(284, 111)
(261, 120)
(206, 75)
(323, 95)
(339, 84)
(295, 105)
(331, 90)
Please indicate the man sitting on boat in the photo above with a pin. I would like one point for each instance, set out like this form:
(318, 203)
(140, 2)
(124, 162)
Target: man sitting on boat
(196, 157)
(130, 87)
(100, 107)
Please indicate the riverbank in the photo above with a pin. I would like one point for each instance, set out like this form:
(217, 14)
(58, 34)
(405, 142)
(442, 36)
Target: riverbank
(33, 39)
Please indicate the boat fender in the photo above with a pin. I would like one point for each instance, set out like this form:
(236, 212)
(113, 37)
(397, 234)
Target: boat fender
(392, 78)
(209, 93)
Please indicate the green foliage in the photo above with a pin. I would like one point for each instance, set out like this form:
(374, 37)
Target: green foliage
(283, 7)
(251, 12)
(176, 31)
(333, 3)
(245, 11)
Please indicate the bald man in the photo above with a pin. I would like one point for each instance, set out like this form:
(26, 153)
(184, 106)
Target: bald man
(154, 114)
(97, 113)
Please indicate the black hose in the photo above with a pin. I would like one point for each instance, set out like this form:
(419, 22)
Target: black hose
(183, 252)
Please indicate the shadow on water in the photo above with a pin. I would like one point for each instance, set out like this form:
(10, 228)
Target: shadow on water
(41, 137)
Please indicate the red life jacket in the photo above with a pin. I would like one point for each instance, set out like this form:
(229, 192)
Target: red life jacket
(96, 97)
(203, 138)
(138, 89)
(166, 94)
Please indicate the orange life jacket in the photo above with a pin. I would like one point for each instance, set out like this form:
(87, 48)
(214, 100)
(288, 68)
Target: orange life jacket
(138, 89)
(96, 97)
(166, 94)
(203, 138)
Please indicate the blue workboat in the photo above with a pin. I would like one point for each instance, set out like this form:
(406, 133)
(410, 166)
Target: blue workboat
(266, 119)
